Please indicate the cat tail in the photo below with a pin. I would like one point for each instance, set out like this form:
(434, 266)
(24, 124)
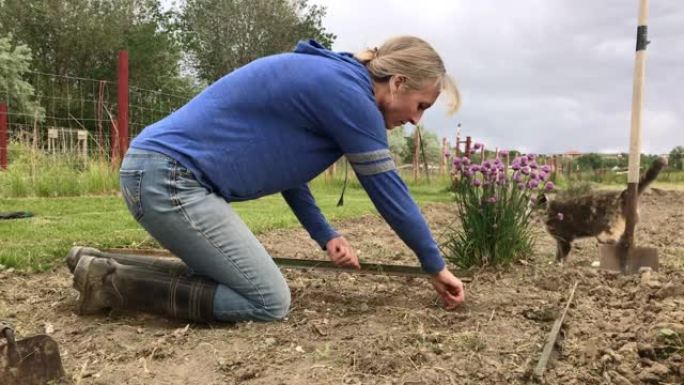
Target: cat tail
(652, 173)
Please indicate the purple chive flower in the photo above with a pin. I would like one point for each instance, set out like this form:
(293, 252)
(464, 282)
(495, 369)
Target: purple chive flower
(560, 216)
(477, 182)
(525, 170)
(487, 164)
(533, 175)
(517, 176)
(523, 161)
(466, 160)
(531, 156)
(447, 154)
(521, 186)
(543, 175)
(477, 146)
(533, 183)
(503, 153)
(546, 168)
(475, 168)
(533, 165)
(515, 166)
(491, 199)
(549, 186)
(468, 173)
(457, 162)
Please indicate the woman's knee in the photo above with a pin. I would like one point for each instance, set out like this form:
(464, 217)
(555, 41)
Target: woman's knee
(278, 305)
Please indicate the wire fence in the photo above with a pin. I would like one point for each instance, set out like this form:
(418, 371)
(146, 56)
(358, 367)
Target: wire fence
(70, 114)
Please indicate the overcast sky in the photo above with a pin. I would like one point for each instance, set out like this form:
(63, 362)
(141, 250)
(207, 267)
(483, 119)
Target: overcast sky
(538, 75)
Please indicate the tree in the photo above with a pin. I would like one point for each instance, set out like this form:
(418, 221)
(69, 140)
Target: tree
(14, 90)
(590, 161)
(676, 158)
(397, 143)
(430, 144)
(82, 38)
(222, 35)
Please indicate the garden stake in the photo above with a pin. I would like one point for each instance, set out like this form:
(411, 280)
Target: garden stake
(553, 338)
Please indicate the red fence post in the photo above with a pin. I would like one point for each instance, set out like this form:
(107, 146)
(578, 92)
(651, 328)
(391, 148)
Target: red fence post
(3, 136)
(122, 94)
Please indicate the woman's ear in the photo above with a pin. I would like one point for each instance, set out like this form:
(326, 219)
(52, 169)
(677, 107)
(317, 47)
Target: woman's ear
(397, 82)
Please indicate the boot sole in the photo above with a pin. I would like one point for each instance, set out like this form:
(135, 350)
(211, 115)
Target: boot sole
(89, 279)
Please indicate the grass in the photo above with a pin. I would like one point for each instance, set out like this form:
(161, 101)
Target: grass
(40, 242)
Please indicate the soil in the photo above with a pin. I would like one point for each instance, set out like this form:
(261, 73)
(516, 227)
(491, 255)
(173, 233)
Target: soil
(359, 329)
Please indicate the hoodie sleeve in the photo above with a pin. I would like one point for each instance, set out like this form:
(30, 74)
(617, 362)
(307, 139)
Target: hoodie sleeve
(309, 215)
(348, 114)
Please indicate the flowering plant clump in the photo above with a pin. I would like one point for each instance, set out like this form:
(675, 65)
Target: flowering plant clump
(493, 201)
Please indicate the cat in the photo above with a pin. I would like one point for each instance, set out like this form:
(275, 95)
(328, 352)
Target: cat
(599, 214)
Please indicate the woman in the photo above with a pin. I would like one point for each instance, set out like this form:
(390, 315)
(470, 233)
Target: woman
(270, 126)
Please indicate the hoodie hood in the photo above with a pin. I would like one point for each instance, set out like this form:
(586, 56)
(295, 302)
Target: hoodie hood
(312, 47)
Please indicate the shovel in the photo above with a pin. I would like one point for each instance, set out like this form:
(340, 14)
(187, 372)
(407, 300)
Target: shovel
(31, 361)
(625, 256)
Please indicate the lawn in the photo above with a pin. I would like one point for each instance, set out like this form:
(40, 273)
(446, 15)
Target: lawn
(37, 243)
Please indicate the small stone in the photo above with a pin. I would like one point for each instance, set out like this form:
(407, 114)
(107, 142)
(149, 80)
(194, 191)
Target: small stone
(270, 341)
(618, 379)
(646, 351)
(628, 349)
(648, 377)
(659, 369)
(299, 349)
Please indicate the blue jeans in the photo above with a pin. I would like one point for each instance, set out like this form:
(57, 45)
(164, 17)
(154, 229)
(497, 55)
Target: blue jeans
(203, 230)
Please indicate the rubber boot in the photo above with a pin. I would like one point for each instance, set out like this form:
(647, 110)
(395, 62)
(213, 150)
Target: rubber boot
(105, 284)
(171, 266)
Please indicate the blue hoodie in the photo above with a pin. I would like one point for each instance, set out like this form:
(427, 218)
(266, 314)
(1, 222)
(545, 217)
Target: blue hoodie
(278, 122)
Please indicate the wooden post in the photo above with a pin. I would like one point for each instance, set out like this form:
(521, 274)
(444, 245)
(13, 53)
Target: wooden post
(443, 162)
(3, 136)
(458, 143)
(122, 103)
(468, 142)
(416, 155)
(82, 143)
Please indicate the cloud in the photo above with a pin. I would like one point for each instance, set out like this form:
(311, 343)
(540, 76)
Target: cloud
(543, 76)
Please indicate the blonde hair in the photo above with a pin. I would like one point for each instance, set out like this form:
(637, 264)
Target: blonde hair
(414, 59)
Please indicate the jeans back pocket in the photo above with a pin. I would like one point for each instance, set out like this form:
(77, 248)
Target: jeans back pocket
(131, 181)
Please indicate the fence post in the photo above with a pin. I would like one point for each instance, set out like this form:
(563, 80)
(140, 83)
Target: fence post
(443, 161)
(122, 95)
(3, 136)
(416, 155)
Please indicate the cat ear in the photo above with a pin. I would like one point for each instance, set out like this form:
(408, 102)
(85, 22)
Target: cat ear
(542, 199)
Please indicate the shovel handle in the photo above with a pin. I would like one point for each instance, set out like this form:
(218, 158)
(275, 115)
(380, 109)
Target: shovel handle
(638, 93)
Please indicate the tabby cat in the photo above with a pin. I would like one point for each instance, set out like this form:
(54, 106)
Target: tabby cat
(599, 214)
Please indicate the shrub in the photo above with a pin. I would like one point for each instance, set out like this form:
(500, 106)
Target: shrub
(494, 210)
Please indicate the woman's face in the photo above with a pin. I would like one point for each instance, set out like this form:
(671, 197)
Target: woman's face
(400, 105)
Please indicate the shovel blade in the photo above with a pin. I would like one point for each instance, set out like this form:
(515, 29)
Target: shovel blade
(638, 257)
(37, 362)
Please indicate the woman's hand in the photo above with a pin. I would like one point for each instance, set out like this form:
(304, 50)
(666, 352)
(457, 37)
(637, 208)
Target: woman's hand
(341, 253)
(449, 288)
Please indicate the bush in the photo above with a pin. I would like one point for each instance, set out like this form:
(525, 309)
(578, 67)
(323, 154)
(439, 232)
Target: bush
(494, 211)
